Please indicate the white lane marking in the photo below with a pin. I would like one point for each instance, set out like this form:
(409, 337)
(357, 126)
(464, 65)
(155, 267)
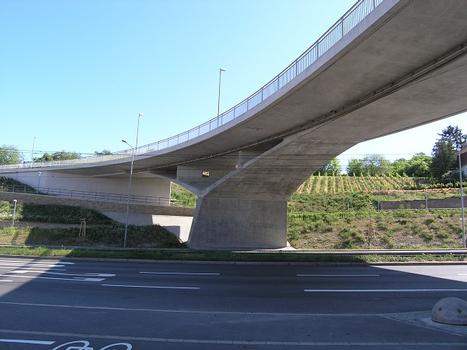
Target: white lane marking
(27, 341)
(39, 269)
(6, 280)
(7, 266)
(90, 274)
(76, 279)
(181, 273)
(419, 290)
(36, 262)
(236, 342)
(181, 311)
(148, 286)
(336, 275)
(462, 274)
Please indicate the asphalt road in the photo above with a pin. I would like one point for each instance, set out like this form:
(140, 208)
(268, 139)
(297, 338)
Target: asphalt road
(96, 305)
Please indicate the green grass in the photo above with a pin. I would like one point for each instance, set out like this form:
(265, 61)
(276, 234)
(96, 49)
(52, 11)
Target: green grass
(52, 213)
(398, 229)
(153, 236)
(181, 196)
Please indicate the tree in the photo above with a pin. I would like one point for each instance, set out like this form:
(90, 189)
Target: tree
(444, 154)
(355, 167)
(400, 166)
(104, 152)
(62, 155)
(375, 164)
(453, 134)
(443, 159)
(419, 165)
(9, 155)
(333, 167)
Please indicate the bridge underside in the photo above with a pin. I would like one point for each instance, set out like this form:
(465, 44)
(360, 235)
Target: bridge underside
(402, 66)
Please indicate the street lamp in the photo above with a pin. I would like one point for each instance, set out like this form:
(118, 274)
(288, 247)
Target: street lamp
(221, 70)
(32, 151)
(130, 179)
(461, 187)
(14, 213)
(39, 173)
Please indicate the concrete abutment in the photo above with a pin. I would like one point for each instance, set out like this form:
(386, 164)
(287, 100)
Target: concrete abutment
(239, 223)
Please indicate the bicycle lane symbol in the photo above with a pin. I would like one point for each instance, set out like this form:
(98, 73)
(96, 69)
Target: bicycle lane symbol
(73, 345)
(85, 345)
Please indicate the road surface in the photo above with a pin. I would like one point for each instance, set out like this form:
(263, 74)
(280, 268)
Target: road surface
(99, 305)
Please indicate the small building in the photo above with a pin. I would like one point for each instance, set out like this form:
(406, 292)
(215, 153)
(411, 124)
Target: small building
(464, 160)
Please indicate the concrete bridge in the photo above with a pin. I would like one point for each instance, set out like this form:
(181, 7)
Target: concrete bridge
(385, 66)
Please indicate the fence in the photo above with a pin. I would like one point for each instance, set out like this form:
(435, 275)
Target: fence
(85, 195)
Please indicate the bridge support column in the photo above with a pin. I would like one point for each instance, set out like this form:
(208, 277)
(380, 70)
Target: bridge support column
(238, 223)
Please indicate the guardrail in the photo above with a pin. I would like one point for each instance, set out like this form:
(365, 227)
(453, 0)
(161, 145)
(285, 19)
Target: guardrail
(359, 11)
(85, 195)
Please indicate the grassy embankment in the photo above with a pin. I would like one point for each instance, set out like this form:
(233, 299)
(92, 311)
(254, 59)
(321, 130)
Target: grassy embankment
(324, 213)
(327, 217)
(100, 231)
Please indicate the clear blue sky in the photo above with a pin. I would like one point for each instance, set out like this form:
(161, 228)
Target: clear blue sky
(75, 74)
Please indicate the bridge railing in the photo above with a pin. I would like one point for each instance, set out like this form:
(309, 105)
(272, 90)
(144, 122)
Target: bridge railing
(356, 14)
(87, 195)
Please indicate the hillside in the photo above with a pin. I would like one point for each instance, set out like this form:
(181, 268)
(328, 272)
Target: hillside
(325, 214)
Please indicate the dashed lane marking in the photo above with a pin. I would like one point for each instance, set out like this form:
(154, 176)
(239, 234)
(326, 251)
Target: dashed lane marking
(414, 290)
(27, 341)
(75, 279)
(181, 273)
(149, 286)
(88, 274)
(336, 275)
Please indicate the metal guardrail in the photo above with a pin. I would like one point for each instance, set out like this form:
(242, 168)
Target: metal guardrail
(359, 11)
(85, 195)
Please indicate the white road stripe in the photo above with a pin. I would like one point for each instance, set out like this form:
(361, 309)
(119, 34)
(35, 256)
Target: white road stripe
(393, 344)
(40, 266)
(335, 275)
(21, 271)
(36, 262)
(6, 280)
(415, 290)
(147, 286)
(181, 273)
(39, 269)
(76, 279)
(27, 341)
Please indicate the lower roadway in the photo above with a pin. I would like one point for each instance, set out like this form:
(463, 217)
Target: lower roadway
(100, 305)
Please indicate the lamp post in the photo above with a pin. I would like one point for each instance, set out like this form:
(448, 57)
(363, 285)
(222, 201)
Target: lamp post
(39, 173)
(14, 213)
(32, 150)
(221, 70)
(130, 179)
(461, 187)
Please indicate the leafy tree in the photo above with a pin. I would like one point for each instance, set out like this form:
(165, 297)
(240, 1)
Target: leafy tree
(9, 155)
(419, 166)
(375, 164)
(62, 155)
(444, 159)
(444, 154)
(104, 152)
(331, 168)
(454, 135)
(355, 167)
(400, 166)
